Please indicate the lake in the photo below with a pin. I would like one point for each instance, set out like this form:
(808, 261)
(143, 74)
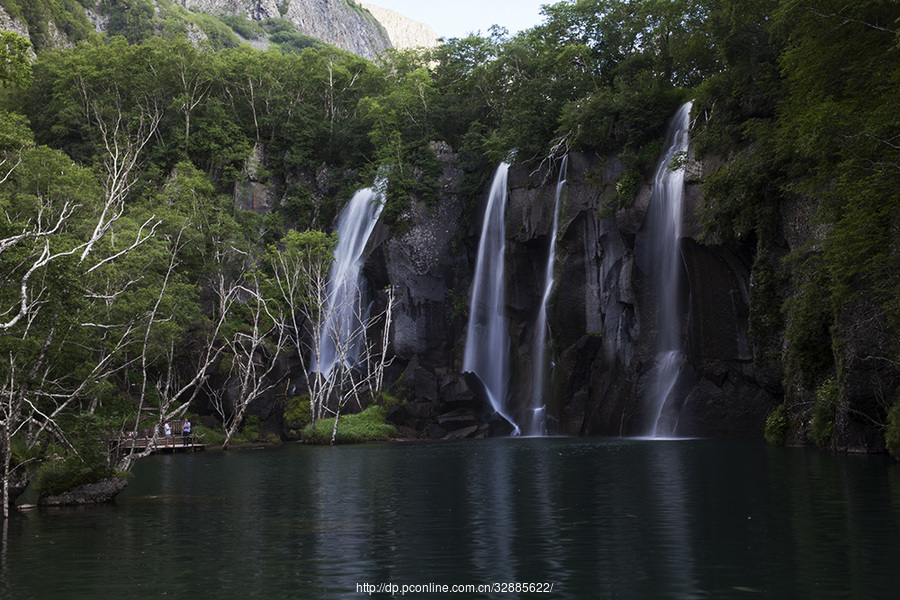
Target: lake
(577, 518)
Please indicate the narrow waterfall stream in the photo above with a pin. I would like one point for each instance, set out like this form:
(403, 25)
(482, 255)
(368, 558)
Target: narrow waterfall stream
(664, 235)
(487, 340)
(538, 422)
(341, 335)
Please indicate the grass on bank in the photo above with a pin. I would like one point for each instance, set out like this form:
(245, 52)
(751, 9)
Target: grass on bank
(367, 426)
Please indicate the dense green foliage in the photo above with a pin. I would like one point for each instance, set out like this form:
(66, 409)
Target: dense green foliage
(806, 119)
(15, 63)
(127, 268)
(296, 415)
(51, 21)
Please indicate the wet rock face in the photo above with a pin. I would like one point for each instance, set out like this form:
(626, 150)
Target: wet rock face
(99, 492)
(419, 263)
(18, 482)
(727, 400)
(422, 257)
(602, 313)
(419, 259)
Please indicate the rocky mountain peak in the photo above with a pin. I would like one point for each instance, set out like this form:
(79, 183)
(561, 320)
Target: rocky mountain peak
(404, 32)
(341, 23)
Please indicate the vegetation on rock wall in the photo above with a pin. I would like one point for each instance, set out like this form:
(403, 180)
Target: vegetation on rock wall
(129, 275)
(807, 129)
(41, 17)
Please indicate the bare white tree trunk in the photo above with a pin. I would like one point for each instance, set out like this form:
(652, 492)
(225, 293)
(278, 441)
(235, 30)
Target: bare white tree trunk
(122, 141)
(175, 395)
(255, 353)
(31, 396)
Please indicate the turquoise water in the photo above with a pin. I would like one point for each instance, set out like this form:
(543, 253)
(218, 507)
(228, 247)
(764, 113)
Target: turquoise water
(593, 518)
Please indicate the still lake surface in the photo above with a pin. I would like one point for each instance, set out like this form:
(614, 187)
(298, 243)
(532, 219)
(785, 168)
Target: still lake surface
(596, 518)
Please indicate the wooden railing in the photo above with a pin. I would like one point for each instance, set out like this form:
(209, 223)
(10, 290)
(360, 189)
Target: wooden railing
(144, 438)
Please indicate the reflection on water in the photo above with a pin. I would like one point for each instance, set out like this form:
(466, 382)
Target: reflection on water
(597, 518)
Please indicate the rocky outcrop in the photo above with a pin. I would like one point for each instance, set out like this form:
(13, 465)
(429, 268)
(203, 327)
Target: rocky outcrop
(423, 258)
(7, 23)
(18, 483)
(341, 23)
(255, 190)
(603, 316)
(403, 32)
(98, 492)
(52, 37)
(257, 10)
(602, 312)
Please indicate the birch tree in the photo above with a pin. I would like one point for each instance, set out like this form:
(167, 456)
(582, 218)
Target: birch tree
(301, 264)
(57, 342)
(254, 350)
(59, 339)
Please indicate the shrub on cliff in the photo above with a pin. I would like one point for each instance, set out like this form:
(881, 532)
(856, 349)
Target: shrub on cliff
(824, 412)
(57, 476)
(777, 426)
(892, 430)
(296, 415)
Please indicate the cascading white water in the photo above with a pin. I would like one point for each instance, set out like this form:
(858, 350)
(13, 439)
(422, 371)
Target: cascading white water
(341, 333)
(664, 238)
(487, 340)
(538, 422)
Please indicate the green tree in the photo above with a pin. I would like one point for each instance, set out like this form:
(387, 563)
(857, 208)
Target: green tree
(15, 62)
(132, 19)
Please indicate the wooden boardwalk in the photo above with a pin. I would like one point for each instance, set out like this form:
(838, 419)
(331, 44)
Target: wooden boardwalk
(143, 439)
(160, 445)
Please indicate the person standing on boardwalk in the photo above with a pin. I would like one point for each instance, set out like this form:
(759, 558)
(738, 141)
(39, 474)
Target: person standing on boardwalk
(167, 429)
(186, 432)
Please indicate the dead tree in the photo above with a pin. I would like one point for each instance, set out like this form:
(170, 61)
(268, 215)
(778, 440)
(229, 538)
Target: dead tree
(254, 351)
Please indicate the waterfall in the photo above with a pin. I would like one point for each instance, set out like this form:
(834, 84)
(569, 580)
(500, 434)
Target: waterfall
(487, 340)
(342, 326)
(541, 368)
(664, 238)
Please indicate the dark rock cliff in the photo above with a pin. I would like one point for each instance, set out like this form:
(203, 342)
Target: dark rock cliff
(603, 315)
(602, 310)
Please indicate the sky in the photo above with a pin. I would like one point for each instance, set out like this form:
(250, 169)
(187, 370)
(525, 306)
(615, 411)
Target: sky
(456, 18)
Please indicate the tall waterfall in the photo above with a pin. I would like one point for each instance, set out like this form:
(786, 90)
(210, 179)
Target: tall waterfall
(341, 334)
(487, 341)
(664, 238)
(541, 367)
